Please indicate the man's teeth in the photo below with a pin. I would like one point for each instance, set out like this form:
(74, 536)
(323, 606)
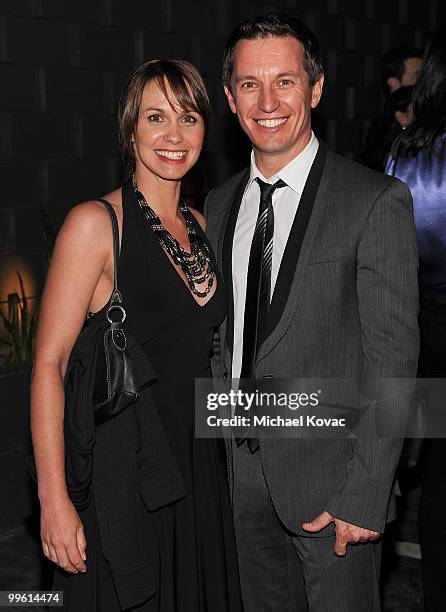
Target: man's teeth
(270, 123)
(171, 154)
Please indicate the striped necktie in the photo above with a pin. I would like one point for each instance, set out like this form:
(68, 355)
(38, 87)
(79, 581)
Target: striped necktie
(258, 288)
(258, 297)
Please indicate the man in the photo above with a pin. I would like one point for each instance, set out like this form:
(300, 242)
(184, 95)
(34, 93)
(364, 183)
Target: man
(336, 296)
(401, 67)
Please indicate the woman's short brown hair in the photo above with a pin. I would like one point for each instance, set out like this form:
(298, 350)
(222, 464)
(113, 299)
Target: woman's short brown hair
(185, 83)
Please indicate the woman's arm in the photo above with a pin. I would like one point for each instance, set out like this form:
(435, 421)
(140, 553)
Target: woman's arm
(80, 274)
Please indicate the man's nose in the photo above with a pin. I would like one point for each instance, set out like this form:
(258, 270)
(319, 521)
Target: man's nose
(268, 100)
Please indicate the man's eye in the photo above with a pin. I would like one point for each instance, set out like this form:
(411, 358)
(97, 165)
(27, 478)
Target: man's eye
(285, 82)
(155, 118)
(248, 85)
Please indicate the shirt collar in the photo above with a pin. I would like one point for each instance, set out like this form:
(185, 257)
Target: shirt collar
(295, 173)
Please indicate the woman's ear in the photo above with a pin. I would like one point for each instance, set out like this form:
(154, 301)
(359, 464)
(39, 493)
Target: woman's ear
(403, 119)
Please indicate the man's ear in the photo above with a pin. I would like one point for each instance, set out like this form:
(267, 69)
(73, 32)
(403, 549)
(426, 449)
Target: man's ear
(316, 93)
(393, 84)
(230, 99)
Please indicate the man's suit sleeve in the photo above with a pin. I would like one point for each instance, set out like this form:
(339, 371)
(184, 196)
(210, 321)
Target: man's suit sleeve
(387, 286)
(206, 204)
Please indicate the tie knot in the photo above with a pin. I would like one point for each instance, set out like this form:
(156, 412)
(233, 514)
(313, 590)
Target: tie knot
(267, 190)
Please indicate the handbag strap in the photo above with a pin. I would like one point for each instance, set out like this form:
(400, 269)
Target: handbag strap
(116, 297)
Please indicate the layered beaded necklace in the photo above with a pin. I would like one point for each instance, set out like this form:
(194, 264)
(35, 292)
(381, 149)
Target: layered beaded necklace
(197, 265)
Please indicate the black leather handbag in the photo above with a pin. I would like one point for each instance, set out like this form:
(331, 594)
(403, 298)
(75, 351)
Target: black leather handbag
(115, 388)
(100, 383)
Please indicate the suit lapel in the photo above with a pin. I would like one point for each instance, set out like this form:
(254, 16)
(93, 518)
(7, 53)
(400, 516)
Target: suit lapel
(227, 234)
(292, 269)
(294, 243)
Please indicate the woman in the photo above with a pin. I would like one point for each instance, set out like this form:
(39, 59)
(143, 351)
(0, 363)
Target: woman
(419, 159)
(401, 112)
(173, 301)
(396, 116)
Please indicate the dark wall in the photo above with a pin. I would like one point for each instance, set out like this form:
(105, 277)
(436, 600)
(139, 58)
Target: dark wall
(62, 66)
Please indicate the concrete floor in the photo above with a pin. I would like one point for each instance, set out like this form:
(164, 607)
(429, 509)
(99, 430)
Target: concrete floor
(22, 567)
(401, 586)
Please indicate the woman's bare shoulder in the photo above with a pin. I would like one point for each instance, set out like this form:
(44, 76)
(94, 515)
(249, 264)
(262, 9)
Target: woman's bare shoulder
(91, 216)
(86, 218)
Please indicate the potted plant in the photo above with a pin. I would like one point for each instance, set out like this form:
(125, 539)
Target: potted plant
(15, 438)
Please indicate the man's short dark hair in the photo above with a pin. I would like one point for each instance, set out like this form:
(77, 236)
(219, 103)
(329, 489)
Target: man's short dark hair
(275, 25)
(393, 61)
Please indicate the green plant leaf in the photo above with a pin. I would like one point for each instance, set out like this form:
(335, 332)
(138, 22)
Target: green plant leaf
(20, 327)
(8, 326)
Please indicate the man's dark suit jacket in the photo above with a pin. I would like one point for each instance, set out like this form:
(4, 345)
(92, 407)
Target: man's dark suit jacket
(345, 304)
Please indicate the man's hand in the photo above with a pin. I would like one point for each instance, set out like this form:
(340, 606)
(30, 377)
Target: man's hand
(346, 533)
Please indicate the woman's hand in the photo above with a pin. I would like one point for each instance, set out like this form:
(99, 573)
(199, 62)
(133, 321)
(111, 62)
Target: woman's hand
(62, 534)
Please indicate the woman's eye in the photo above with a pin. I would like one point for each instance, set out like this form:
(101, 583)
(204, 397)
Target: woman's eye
(189, 119)
(155, 118)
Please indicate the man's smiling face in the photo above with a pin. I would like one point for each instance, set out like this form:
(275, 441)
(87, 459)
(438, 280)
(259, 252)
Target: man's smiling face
(272, 97)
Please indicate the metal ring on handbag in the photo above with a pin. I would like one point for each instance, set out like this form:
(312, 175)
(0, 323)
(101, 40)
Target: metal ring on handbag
(113, 307)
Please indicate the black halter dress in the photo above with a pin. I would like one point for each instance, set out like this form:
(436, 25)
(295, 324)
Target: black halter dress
(194, 556)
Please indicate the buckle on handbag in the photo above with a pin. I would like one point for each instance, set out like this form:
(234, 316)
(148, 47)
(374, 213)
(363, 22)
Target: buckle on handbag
(116, 307)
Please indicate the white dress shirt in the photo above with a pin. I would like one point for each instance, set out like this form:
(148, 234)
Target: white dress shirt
(285, 203)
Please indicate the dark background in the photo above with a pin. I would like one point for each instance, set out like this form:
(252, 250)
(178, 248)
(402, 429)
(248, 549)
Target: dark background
(63, 64)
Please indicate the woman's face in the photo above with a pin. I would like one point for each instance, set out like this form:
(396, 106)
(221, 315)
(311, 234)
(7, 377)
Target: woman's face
(167, 141)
